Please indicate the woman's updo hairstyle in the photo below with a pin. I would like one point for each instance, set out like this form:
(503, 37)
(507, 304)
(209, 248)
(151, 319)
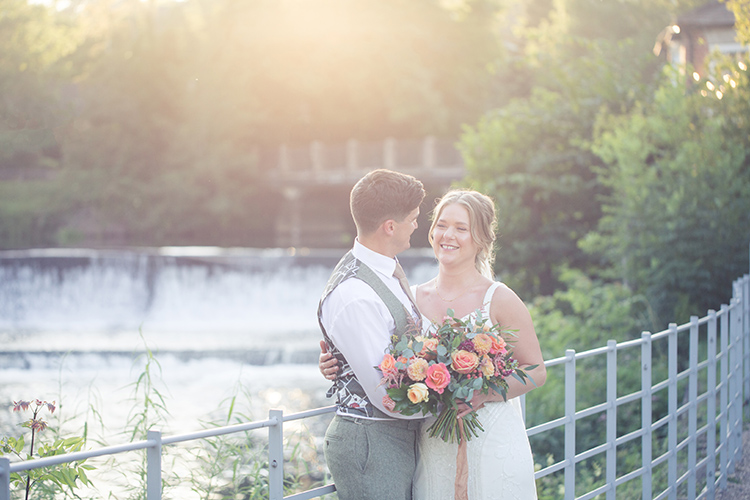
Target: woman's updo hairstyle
(483, 222)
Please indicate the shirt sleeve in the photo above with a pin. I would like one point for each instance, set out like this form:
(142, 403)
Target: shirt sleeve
(360, 326)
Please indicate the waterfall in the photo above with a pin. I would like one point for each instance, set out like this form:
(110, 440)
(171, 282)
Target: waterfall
(259, 305)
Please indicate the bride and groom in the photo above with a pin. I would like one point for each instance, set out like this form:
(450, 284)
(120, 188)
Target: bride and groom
(378, 454)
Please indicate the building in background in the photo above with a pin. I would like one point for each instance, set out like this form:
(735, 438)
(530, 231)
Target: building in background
(695, 34)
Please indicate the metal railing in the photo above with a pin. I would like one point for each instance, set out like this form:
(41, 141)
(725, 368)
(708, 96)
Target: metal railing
(724, 339)
(721, 338)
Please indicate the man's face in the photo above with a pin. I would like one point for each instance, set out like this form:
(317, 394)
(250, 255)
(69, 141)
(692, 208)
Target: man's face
(404, 229)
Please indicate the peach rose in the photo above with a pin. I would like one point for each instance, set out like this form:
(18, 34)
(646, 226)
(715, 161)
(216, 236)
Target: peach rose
(486, 366)
(482, 343)
(417, 393)
(438, 377)
(465, 362)
(417, 369)
(388, 366)
(429, 347)
(498, 345)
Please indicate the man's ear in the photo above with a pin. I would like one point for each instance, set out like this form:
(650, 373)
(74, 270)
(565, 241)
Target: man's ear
(389, 227)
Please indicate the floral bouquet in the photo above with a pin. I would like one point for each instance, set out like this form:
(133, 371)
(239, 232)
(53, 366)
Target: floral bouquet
(434, 372)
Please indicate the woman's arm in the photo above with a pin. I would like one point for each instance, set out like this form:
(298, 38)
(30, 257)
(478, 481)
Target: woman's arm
(511, 313)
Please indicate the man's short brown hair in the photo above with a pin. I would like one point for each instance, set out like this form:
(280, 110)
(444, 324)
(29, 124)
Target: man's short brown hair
(382, 195)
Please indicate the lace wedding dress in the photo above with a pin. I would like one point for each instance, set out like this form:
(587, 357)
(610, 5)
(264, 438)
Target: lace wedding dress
(500, 462)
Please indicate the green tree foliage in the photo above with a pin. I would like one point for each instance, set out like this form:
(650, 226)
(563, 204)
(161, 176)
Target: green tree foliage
(741, 10)
(579, 58)
(677, 221)
(167, 102)
(36, 62)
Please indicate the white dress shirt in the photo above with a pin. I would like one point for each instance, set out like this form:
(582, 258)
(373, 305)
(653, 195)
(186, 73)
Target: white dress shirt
(360, 325)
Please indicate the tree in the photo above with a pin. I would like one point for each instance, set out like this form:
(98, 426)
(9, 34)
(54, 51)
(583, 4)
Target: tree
(677, 221)
(741, 10)
(533, 154)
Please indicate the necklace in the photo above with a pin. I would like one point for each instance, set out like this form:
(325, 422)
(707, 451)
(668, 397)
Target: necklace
(457, 296)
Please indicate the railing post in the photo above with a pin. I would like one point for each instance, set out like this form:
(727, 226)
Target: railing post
(153, 466)
(693, 407)
(4, 478)
(746, 335)
(276, 456)
(735, 385)
(570, 424)
(611, 418)
(711, 406)
(646, 415)
(672, 405)
(723, 396)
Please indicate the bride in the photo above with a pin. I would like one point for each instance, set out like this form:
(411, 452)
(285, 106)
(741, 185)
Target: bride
(499, 460)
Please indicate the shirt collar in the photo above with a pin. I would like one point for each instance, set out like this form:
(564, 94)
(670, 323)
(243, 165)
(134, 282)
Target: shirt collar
(374, 260)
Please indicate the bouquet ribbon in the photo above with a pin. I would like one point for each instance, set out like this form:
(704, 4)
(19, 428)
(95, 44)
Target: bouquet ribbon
(461, 488)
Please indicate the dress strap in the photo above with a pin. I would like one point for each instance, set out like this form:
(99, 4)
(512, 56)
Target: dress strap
(488, 296)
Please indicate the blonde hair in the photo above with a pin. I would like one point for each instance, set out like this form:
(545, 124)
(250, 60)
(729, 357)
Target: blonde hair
(482, 220)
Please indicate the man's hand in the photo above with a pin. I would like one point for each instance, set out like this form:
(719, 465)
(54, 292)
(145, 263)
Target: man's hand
(328, 365)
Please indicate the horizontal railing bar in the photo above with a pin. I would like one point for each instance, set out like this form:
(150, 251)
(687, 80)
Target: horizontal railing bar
(629, 398)
(558, 422)
(555, 362)
(629, 476)
(662, 458)
(592, 352)
(592, 410)
(664, 384)
(628, 437)
(310, 413)
(595, 493)
(314, 493)
(219, 431)
(80, 455)
(551, 469)
(592, 451)
(661, 422)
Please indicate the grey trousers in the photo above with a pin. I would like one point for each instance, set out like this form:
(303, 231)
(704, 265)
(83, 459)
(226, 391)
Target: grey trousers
(372, 459)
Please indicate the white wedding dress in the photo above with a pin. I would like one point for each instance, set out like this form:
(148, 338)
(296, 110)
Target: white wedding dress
(500, 463)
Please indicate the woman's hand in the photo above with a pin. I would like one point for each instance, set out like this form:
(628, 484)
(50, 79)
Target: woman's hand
(477, 402)
(328, 365)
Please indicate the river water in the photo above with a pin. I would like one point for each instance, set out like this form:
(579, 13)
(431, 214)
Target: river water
(75, 324)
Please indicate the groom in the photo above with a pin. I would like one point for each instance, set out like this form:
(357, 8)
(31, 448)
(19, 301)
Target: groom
(370, 451)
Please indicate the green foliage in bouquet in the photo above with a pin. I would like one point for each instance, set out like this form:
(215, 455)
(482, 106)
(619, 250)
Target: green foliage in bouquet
(435, 373)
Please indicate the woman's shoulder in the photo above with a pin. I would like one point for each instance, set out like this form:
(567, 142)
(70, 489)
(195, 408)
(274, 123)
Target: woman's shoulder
(504, 296)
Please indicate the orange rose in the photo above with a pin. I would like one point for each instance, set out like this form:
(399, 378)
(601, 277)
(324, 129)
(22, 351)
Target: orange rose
(464, 361)
(388, 366)
(438, 377)
(429, 348)
(417, 393)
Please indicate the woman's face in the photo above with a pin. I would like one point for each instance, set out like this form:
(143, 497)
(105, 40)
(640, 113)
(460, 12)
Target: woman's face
(451, 236)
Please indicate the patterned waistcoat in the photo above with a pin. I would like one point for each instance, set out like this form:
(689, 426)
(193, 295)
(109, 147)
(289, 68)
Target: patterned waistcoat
(351, 397)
